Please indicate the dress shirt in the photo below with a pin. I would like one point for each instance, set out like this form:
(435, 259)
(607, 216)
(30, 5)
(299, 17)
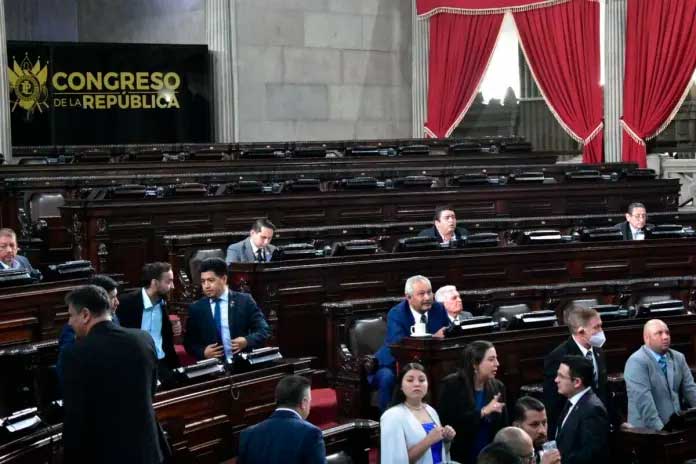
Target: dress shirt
(659, 356)
(573, 401)
(13, 265)
(417, 315)
(224, 321)
(255, 249)
(152, 322)
(637, 234)
(291, 410)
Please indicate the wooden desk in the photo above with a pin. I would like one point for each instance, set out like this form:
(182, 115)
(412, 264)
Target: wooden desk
(124, 235)
(642, 446)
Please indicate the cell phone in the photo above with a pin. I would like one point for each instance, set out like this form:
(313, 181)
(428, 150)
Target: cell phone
(549, 445)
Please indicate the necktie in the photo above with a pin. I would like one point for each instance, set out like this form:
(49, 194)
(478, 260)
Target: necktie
(590, 358)
(424, 319)
(218, 320)
(564, 413)
(663, 365)
(259, 256)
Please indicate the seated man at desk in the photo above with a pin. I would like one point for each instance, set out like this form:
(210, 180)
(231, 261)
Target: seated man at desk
(658, 379)
(634, 227)
(224, 322)
(444, 227)
(9, 259)
(448, 296)
(257, 247)
(417, 307)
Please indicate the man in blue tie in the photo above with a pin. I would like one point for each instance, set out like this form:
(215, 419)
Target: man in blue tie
(658, 379)
(9, 259)
(224, 322)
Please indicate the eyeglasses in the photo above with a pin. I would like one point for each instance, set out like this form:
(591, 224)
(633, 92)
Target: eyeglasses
(639, 216)
(528, 458)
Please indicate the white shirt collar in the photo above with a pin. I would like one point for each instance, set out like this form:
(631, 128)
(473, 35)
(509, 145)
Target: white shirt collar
(147, 303)
(254, 248)
(292, 410)
(633, 230)
(224, 295)
(583, 350)
(576, 397)
(416, 314)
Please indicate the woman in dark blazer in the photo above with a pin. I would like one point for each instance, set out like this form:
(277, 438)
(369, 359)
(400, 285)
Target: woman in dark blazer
(472, 401)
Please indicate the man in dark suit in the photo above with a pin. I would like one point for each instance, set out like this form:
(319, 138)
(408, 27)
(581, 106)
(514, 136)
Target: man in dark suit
(146, 309)
(9, 259)
(529, 414)
(418, 307)
(257, 247)
(586, 339)
(634, 227)
(444, 227)
(583, 425)
(110, 381)
(286, 436)
(224, 322)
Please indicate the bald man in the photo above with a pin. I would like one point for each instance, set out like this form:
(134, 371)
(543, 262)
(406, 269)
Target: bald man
(658, 380)
(518, 441)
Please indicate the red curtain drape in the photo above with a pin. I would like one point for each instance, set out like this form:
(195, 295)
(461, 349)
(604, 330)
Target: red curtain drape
(660, 61)
(460, 49)
(561, 45)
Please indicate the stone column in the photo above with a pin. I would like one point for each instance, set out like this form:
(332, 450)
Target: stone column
(419, 65)
(221, 33)
(5, 119)
(614, 58)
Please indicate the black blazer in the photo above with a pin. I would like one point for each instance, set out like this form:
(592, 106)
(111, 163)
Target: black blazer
(130, 314)
(553, 401)
(584, 437)
(245, 319)
(283, 437)
(626, 233)
(110, 377)
(456, 408)
(459, 233)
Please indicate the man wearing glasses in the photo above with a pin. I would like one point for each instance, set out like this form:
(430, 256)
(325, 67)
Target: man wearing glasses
(519, 443)
(634, 227)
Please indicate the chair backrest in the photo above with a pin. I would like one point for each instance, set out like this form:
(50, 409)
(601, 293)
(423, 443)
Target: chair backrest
(510, 311)
(197, 258)
(45, 205)
(647, 299)
(367, 335)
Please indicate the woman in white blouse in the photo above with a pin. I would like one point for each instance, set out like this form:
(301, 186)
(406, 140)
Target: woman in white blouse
(410, 431)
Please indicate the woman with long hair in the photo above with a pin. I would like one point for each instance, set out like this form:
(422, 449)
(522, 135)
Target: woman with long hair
(472, 399)
(410, 430)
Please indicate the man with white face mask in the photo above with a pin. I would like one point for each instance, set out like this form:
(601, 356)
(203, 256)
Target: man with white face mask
(586, 340)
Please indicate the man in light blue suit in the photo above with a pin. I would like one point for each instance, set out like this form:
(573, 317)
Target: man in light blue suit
(9, 259)
(417, 307)
(658, 379)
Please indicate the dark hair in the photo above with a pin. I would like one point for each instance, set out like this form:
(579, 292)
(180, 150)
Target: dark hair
(291, 390)
(439, 210)
(260, 223)
(104, 281)
(579, 368)
(633, 206)
(498, 453)
(215, 265)
(524, 404)
(154, 271)
(473, 355)
(91, 297)
(398, 396)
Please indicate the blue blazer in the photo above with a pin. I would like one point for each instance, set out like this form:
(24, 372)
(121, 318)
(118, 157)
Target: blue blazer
(245, 319)
(283, 437)
(399, 322)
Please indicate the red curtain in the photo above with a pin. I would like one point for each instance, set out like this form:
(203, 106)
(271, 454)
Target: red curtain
(460, 49)
(561, 45)
(660, 61)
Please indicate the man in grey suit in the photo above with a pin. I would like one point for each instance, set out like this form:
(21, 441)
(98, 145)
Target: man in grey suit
(658, 380)
(9, 259)
(256, 248)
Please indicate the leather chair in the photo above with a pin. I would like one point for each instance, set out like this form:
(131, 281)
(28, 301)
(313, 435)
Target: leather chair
(195, 263)
(45, 205)
(365, 338)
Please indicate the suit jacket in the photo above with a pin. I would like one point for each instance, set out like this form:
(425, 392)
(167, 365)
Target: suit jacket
(241, 252)
(651, 401)
(283, 437)
(110, 381)
(625, 229)
(459, 233)
(553, 401)
(399, 430)
(245, 320)
(399, 322)
(457, 408)
(22, 263)
(583, 439)
(130, 314)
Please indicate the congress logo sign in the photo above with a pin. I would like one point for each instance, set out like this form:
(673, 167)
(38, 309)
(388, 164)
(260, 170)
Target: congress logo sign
(28, 88)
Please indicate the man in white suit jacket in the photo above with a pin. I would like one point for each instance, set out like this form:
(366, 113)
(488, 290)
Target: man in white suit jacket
(256, 248)
(658, 379)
